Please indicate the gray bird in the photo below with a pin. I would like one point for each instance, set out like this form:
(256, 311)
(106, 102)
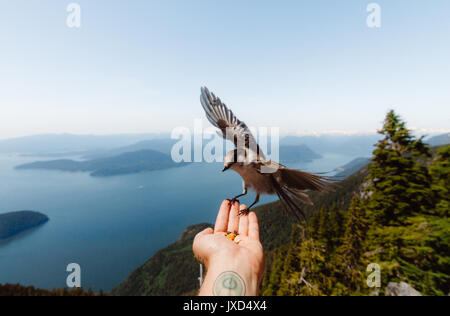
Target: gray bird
(259, 174)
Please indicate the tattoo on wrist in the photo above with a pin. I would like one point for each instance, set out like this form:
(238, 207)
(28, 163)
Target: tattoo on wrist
(229, 284)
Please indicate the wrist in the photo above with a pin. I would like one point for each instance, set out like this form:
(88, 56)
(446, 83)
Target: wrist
(229, 276)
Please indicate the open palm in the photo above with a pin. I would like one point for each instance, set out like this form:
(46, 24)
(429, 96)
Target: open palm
(213, 246)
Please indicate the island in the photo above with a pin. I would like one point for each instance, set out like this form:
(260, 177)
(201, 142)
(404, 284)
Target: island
(297, 153)
(147, 160)
(126, 163)
(14, 223)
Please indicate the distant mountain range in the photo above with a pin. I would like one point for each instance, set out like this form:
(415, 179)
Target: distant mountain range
(58, 144)
(146, 155)
(292, 154)
(439, 140)
(288, 153)
(14, 223)
(350, 145)
(358, 163)
(145, 159)
(98, 146)
(127, 163)
(154, 154)
(163, 145)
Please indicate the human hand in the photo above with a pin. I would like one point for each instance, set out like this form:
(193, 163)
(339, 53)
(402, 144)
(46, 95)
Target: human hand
(234, 268)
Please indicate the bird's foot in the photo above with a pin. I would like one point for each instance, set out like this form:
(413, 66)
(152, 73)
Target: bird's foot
(233, 200)
(244, 212)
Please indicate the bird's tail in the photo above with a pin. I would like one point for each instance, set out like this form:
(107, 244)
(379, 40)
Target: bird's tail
(299, 180)
(294, 182)
(290, 207)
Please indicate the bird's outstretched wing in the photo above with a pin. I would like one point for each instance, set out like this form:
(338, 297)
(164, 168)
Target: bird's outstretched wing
(230, 126)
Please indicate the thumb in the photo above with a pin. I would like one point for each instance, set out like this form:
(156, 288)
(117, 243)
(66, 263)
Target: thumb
(199, 246)
(207, 231)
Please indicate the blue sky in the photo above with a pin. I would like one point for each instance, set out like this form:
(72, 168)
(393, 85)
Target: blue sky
(305, 66)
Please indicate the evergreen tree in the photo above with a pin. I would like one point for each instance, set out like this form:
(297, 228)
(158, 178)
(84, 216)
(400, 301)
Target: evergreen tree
(399, 221)
(351, 259)
(275, 278)
(322, 228)
(290, 261)
(336, 226)
(400, 186)
(404, 234)
(440, 171)
(314, 223)
(309, 279)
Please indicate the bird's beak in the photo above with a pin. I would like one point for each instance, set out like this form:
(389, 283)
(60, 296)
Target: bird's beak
(225, 168)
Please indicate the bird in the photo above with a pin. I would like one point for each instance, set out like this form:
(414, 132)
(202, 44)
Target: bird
(262, 176)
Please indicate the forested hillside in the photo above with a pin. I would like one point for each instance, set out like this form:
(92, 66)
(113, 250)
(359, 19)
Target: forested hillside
(19, 290)
(398, 221)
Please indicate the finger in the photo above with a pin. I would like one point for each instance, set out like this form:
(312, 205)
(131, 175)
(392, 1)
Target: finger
(233, 220)
(253, 227)
(243, 223)
(222, 218)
